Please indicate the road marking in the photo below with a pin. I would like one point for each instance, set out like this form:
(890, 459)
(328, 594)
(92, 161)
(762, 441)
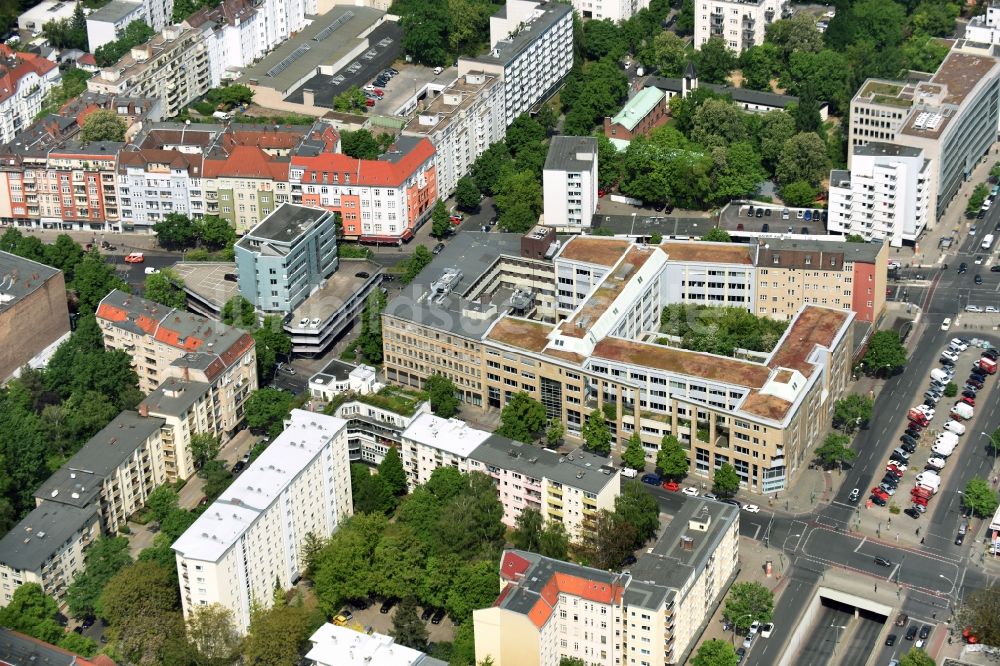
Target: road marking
(861, 544)
(892, 573)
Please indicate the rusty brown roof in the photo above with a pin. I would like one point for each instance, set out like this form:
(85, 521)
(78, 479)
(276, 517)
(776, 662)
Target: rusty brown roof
(695, 364)
(813, 326)
(766, 406)
(521, 333)
(596, 250)
(727, 253)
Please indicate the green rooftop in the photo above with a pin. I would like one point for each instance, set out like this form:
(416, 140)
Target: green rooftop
(881, 88)
(638, 108)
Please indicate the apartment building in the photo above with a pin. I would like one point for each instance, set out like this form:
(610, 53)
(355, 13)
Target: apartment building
(950, 118)
(153, 183)
(287, 257)
(34, 19)
(164, 342)
(25, 81)
(109, 22)
(598, 347)
(531, 50)
(569, 180)
(884, 196)
(344, 646)
(383, 200)
(740, 23)
(241, 183)
(77, 187)
(18, 648)
(249, 540)
(461, 122)
(374, 428)
(430, 442)
(549, 609)
(34, 318)
(172, 67)
(612, 10)
(985, 28)
(186, 410)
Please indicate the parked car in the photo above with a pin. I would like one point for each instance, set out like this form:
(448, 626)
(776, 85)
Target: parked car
(438, 248)
(925, 631)
(438, 616)
(387, 606)
(882, 562)
(672, 486)
(877, 499)
(426, 615)
(912, 513)
(911, 632)
(651, 479)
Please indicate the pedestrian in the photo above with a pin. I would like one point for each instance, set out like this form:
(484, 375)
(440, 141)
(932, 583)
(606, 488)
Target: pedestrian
(876, 587)
(921, 540)
(918, 531)
(890, 521)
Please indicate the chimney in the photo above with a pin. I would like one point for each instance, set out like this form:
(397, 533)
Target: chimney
(143, 410)
(687, 543)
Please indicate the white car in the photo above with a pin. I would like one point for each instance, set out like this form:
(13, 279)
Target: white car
(973, 308)
(314, 323)
(754, 628)
(955, 427)
(928, 411)
(936, 463)
(946, 324)
(152, 271)
(951, 356)
(990, 308)
(303, 322)
(978, 261)
(751, 508)
(766, 630)
(927, 475)
(690, 491)
(894, 265)
(961, 345)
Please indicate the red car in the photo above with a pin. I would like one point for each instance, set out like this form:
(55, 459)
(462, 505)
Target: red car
(881, 494)
(672, 486)
(895, 471)
(971, 402)
(369, 102)
(919, 499)
(379, 93)
(601, 193)
(456, 219)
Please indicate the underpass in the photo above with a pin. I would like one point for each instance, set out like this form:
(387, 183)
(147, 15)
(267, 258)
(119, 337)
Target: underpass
(836, 629)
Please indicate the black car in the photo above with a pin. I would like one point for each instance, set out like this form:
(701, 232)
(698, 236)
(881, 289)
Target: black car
(890, 480)
(890, 640)
(911, 632)
(426, 615)
(741, 652)
(909, 448)
(438, 616)
(750, 211)
(912, 513)
(896, 457)
(906, 439)
(981, 214)
(875, 499)
(978, 279)
(629, 561)
(978, 375)
(925, 631)
(387, 606)
(972, 381)
(995, 269)
(969, 394)
(362, 274)
(437, 248)
(767, 212)
(946, 361)
(914, 433)
(962, 267)
(764, 229)
(959, 538)
(882, 562)
(238, 467)
(88, 622)
(759, 213)
(991, 354)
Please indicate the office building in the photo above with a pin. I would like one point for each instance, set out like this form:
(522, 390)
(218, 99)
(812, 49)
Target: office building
(461, 122)
(16, 648)
(985, 28)
(25, 81)
(740, 23)
(164, 342)
(531, 50)
(343, 646)
(34, 317)
(549, 609)
(611, 10)
(339, 377)
(249, 540)
(950, 119)
(109, 22)
(569, 180)
(286, 257)
(644, 112)
(884, 196)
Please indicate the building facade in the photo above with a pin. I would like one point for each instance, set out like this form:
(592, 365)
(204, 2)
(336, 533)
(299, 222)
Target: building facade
(109, 22)
(25, 81)
(249, 540)
(569, 180)
(644, 112)
(343, 646)
(612, 10)
(985, 28)
(186, 410)
(740, 23)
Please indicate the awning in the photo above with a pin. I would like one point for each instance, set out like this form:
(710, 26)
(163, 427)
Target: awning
(407, 235)
(385, 240)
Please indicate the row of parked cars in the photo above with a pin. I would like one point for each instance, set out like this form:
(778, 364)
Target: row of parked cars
(912, 632)
(373, 91)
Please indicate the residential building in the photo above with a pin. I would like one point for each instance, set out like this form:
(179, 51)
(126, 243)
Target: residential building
(740, 23)
(549, 609)
(164, 342)
(569, 180)
(77, 188)
(647, 110)
(373, 426)
(109, 22)
(584, 351)
(172, 67)
(884, 196)
(153, 183)
(137, 112)
(338, 377)
(612, 10)
(343, 646)
(187, 410)
(461, 122)
(46, 547)
(430, 442)
(985, 28)
(25, 81)
(235, 34)
(286, 257)
(531, 50)
(34, 318)
(951, 118)
(249, 540)
(33, 20)
(379, 201)
(16, 648)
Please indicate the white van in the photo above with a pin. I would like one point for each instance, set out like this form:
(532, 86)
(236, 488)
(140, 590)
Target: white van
(955, 427)
(940, 375)
(949, 437)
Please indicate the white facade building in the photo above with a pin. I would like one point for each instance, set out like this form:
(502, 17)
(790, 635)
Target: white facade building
(431, 442)
(109, 22)
(343, 646)
(35, 18)
(250, 539)
(741, 23)
(985, 28)
(884, 195)
(612, 10)
(569, 181)
(25, 81)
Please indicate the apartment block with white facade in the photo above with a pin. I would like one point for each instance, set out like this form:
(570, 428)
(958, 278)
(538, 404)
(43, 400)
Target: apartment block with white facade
(25, 81)
(569, 180)
(611, 10)
(153, 183)
(250, 539)
(373, 429)
(985, 28)
(740, 23)
(549, 609)
(344, 646)
(109, 22)
(430, 442)
(186, 409)
(884, 196)
(462, 122)
(531, 49)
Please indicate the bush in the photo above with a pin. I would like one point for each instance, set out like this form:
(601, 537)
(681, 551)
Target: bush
(894, 508)
(204, 108)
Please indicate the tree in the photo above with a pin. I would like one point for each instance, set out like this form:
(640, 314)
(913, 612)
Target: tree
(527, 530)
(369, 340)
(797, 34)
(235, 94)
(979, 498)
(976, 199)
(886, 353)
(32, 612)
(635, 455)
(717, 235)
(715, 652)
(916, 657)
(279, 635)
(776, 127)
(440, 222)
(611, 540)
(240, 312)
(554, 541)
(139, 590)
(759, 65)
(103, 125)
(726, 481)
(525, 133)
(854, 238)
(806, 111)
(420, 258)
(217, 479)
(715, 61)
(391, 470)
(489, 167)
(981, 611)
(176, 231)
(474, 587)
(213, 634)
(748, 602)
(603, 38)
(640, 510)
(572, 661)
(161, 502)
(466, 194)
(667, 53)
(95, 279)
(425, 33)
(799, 193)
(852, 411)
(105, 557)
(352, 99)
(166, 288)
(518, 200)
(803, 158)
(671, 459)
(360, 144)
(271, 340)
(266, 410)
(135, 33)
(81, 645)
(835, 450)
(596, 434)
(370, 492)
(950, 390)
(204, 447)
(521, 418)
(441, 391)
(407, 628)
(214, 232)
(554, 432)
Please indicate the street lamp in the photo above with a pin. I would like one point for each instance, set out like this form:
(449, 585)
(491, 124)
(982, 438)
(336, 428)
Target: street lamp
(734, 625)
(952, 591)
(992, 444)
(836, 640)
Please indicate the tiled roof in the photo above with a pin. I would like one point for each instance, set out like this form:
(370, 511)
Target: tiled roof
(247, 162)
(15, 66)
(391, 170)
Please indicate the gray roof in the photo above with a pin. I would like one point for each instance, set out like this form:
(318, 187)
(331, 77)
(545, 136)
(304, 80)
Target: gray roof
(20, 277)
(23, 548)
(285, 225)
(174, 396)
(508, 50)
(839, 176)
(78, 482)
(114, 11)
(578, 469)
(671, 565)
(564, 153)
(21, 650)
(737, 94)
(877, 148)
(863, 252)
(400, 148)
(667, 226)
(336, 370)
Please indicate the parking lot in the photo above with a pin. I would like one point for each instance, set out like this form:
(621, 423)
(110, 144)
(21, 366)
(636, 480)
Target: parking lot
(412, 81)
(382, 622)
(734, 218)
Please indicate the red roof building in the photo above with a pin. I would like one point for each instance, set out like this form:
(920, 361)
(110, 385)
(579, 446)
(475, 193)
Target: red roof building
(25, 80)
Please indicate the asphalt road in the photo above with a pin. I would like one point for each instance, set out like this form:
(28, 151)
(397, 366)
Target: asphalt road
(831, 625)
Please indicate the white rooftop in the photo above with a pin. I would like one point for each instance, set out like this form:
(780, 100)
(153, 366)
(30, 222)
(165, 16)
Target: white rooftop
(340, 646)
(449, 435)
(259, 486)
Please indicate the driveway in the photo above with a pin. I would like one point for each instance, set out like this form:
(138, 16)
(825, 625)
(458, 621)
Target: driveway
(371, 617)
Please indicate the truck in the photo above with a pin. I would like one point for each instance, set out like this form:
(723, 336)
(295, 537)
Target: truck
(946, 438)
(943, 449)
(919, 417)
(962, 411)
(987, 242)
(988, 365)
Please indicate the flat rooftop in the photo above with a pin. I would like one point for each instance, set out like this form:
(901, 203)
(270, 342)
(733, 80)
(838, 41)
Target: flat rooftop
(571, 153)
(285, 225)
(338, 290)
(449, 435)
(594, 250)
(208, 280)
(961, 72)
(30, 543)
(879, 149)
(442, 111)
(522, 333)
(175, 396)
(114, 11)
(610, 288)
(347, 647)
(335, 371)
(578, 469)
(507, 50)
(700, 251)
(813, 325)
(20, 277)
